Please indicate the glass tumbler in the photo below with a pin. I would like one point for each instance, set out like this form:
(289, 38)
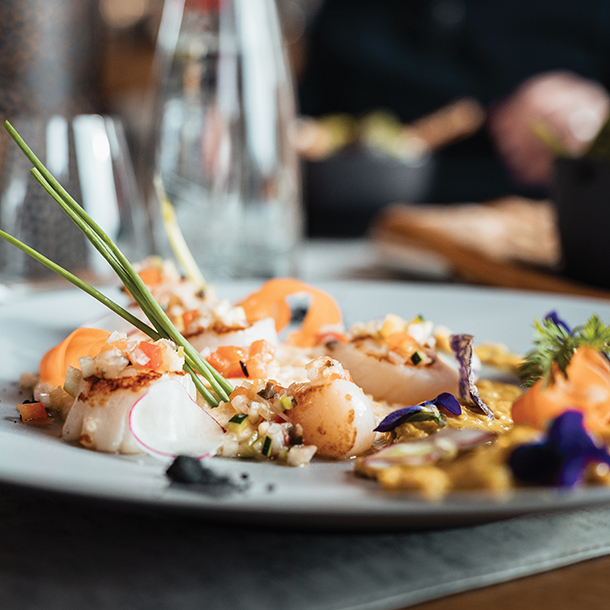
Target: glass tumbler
(88, 155)
(226, 111)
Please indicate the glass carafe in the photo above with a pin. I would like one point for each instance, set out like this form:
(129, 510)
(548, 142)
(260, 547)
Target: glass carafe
(226, 112)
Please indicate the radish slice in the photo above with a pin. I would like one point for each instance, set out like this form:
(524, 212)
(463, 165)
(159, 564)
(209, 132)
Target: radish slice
(167, 422)
(444, 444)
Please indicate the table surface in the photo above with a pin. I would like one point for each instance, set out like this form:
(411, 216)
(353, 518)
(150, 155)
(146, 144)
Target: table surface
(37, 554)
(583, 585)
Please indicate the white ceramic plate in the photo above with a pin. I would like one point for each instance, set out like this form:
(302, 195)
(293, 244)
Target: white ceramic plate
(325, 494)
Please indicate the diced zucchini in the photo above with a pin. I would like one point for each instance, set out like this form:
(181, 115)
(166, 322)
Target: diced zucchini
(238, 422)
(288, 402)
(246, 451)
(267, 444)
(416, 358)
(257, 444)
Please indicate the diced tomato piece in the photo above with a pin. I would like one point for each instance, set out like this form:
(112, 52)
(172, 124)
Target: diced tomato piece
(189, 316)
(32, 412)
(120, 344)
(151, 276)
(260, 355)
(153, 352)
(238, 391)
(227, 360)
(262, 348)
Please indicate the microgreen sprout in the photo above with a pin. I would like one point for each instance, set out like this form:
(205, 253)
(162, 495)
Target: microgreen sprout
(555, 344)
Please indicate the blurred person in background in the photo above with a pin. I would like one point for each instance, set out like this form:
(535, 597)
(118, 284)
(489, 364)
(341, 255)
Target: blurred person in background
(541, 69)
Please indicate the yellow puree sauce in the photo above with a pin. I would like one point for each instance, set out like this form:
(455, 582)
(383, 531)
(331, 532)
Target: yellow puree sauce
(482, 468)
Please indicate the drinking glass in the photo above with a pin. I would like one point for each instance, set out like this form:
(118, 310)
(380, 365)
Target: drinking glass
(88, 155)
(226, 111)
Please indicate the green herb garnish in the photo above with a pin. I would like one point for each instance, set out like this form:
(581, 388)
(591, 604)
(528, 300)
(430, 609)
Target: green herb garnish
(162, 327)
(555, 345)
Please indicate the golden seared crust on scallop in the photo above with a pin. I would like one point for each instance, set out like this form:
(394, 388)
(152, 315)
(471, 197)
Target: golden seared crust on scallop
(239, 336)
(217, 328)
(99, 388)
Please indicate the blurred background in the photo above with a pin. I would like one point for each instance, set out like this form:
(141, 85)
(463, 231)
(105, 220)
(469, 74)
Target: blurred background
(127, 49)
(463, 106)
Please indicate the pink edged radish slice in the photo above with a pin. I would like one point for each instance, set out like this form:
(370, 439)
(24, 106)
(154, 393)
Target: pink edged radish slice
(167, 422)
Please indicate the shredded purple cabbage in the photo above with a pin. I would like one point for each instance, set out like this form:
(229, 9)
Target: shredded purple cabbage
(562, 457)
(445, 400)
(462, 348)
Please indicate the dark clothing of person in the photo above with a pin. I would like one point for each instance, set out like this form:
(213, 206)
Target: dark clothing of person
(414, 56)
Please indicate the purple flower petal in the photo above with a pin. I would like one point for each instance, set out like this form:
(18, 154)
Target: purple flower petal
(561, 459)
(552, 315)
(445, 400)
(572, 471)
(567, 434)
(448, 401)
(393, 419)
(462, 348)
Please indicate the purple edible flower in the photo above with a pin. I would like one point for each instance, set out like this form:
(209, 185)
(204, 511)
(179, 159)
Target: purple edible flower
(448, 401)
(462, 348)
(553, 317)
(445, 400)
(561, 459)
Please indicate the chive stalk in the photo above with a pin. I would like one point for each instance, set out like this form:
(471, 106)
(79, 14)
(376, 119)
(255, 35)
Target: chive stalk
(163, 326)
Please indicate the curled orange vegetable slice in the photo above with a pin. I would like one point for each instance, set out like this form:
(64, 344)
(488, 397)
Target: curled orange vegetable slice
(82, 342)
(586, 389)
(270, 302)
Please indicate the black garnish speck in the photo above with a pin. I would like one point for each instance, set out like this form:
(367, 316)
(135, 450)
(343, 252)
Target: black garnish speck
(185, 470)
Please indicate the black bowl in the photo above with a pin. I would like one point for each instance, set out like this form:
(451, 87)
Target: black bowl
(343, 193)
